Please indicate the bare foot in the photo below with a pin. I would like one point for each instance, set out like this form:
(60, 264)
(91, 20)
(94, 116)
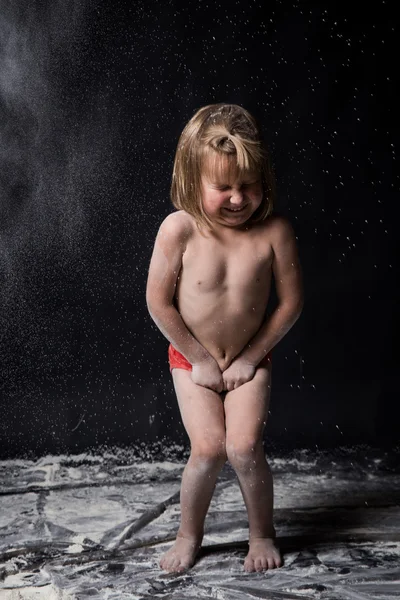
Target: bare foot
(182, 555)
(263, 555)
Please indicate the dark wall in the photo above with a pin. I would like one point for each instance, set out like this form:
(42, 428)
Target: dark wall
(93, 97)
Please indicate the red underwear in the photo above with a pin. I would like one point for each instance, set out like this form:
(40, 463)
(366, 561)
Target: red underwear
(178, 361)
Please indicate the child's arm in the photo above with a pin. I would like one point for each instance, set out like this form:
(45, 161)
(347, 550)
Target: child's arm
(165, 265)
(289, 289)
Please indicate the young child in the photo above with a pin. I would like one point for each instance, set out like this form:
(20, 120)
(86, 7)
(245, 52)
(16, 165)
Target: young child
(208, 286)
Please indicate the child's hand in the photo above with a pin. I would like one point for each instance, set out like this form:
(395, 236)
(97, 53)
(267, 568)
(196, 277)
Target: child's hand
(208, 374)
(238, 372)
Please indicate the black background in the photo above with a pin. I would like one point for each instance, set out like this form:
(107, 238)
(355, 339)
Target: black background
(93, 97)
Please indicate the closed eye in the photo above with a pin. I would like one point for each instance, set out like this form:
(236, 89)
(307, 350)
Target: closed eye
(223, 188)
(227, 187)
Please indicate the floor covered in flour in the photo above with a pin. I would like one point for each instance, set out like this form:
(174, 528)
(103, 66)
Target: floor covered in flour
(95, 525)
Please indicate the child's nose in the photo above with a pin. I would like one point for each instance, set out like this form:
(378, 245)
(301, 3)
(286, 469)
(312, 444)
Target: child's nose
(237, 196)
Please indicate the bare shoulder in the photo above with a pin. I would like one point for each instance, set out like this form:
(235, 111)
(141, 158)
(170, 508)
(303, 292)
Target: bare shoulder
(286, 264)
(280, 229)
(176, 226)
(166, 259)
(280, 234)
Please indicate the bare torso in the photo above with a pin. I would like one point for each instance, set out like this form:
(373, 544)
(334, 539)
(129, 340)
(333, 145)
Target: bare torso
(223, 287)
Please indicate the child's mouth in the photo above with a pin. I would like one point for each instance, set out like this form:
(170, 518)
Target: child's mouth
(236, 210)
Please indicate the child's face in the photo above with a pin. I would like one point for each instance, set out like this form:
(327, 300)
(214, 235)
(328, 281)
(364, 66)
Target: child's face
(230, 198)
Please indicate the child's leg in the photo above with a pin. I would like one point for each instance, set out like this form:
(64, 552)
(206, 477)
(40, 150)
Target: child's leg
(203, 416)
(246, 410)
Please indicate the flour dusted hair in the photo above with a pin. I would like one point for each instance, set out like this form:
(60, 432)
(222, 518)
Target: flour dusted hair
(215, 132)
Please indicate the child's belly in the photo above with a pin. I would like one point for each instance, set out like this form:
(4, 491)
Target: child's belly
(221, 324)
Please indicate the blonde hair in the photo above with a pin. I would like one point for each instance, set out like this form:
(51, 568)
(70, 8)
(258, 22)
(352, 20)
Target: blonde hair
(219, 130)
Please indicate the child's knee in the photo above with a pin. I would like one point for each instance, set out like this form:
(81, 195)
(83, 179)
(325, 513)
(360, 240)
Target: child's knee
(242, 451)
(209, 450)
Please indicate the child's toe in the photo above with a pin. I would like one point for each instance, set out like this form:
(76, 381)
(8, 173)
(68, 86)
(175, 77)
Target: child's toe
(258, 564)
(176, 564)
(249, 565)
(271, 563)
